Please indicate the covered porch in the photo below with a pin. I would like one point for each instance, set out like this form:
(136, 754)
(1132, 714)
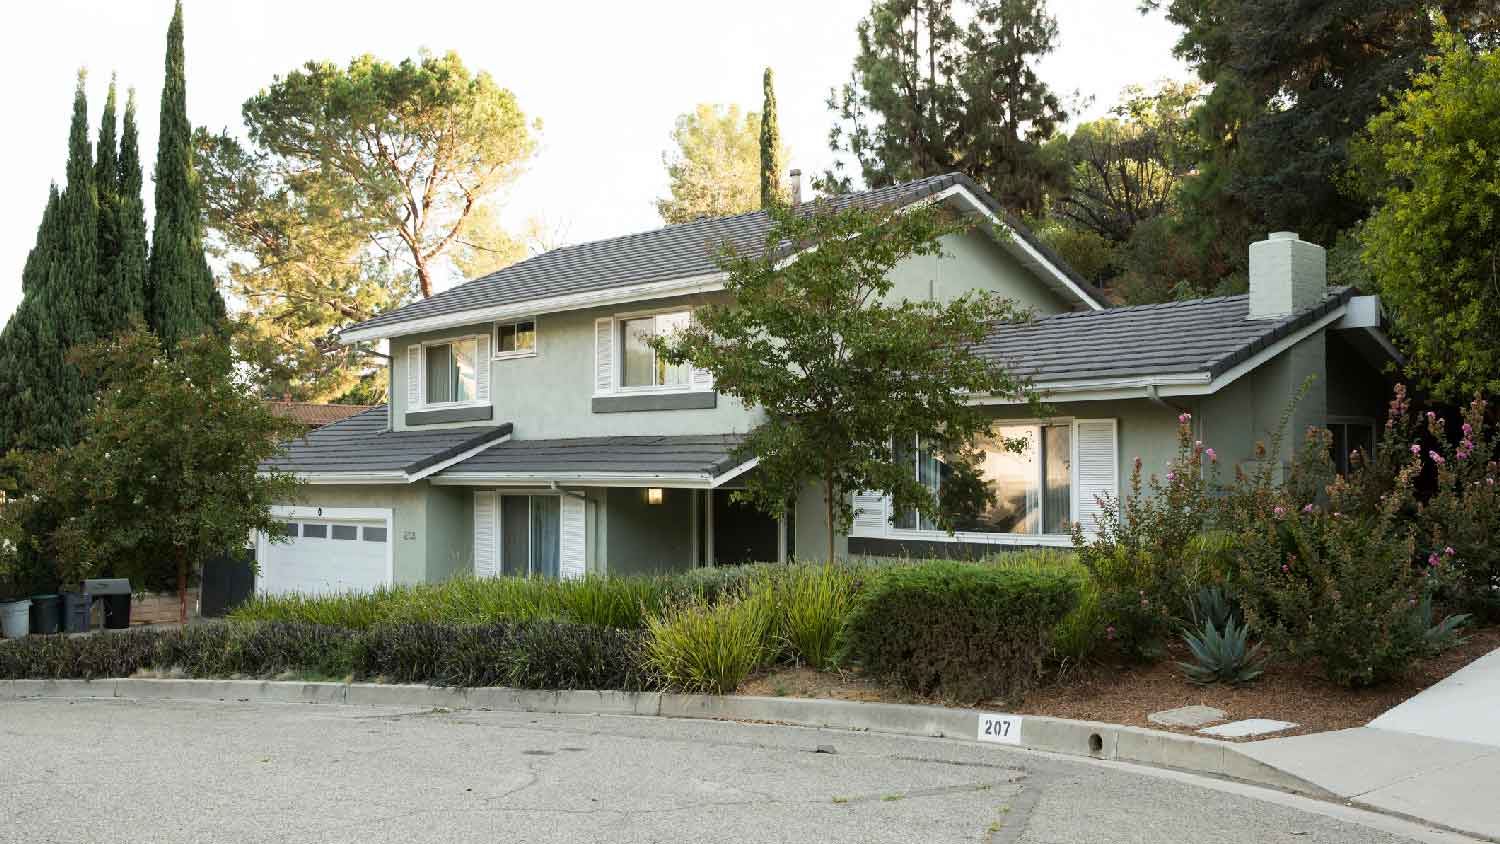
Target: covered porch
(631, 505)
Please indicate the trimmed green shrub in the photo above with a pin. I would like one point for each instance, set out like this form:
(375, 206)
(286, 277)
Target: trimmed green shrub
(699, 646)
(959, 631)
(408, 652)
(555, 655)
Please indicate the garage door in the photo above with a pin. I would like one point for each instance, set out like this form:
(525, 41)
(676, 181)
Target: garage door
(325, 555)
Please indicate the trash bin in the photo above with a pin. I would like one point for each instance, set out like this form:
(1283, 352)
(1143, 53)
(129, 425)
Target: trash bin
(115, 593)
(15, 618)
(75, 612)
(46, 614)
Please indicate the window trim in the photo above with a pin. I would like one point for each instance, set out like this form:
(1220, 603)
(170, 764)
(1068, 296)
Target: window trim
(500, 495)
(618, 365)
(1355, 421)
(982, 538)
(536, 333)
(421, 374)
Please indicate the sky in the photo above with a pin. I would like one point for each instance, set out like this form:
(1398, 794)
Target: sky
(606, 79)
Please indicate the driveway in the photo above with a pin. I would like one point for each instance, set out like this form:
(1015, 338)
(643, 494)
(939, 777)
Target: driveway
(120, 770)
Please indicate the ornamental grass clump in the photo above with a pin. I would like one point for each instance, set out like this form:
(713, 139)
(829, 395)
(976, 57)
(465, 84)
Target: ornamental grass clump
(959, 631)
(811, 603)
(697, 646)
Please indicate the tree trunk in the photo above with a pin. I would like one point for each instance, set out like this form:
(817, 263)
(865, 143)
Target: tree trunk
(424, 277)
(182, 567)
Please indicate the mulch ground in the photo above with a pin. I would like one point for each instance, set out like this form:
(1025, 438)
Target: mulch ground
(1127, 694)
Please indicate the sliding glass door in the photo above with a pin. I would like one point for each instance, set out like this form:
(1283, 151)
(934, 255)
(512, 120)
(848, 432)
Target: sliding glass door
(530, 528)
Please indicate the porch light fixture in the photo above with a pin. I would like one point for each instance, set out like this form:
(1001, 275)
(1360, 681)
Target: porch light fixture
(653, 495)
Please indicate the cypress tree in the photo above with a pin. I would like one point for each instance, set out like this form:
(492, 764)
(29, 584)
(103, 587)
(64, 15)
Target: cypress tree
(107, 183)
(129, 281)
(772, 190)
(42, 396)
(181, 298)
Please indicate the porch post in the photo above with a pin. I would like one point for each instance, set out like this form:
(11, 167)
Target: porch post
(708, 527)
(781, 537)
(693, 494)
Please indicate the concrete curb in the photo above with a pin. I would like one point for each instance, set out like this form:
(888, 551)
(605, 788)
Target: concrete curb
(1052, 735)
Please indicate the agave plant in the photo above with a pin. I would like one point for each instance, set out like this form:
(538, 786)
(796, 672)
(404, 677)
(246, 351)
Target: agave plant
(1215, 606)
(1222, 657)
(1437, 636)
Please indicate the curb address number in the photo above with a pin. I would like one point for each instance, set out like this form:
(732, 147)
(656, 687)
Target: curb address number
(1004, 729)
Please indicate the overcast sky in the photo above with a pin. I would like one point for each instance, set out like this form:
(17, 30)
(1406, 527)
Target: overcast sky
(607, 80)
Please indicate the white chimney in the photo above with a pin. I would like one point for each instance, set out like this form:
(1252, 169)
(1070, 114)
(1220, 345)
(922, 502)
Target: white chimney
(1287, 274)
(796, 179)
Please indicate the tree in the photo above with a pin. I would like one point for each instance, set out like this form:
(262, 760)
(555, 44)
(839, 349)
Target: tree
(715, 169)
(122, 221)
(1431, 164)
(1292, 83)
(42, 395)
(1125, 169)
(841, 373)
(927, 96)
(167, 474)
(772, 188)
(414, 148)
(182, 300)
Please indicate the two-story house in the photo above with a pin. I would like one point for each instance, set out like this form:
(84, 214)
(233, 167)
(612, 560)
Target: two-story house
(532, 430)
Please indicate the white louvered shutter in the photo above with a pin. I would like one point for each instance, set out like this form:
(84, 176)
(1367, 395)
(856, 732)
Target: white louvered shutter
(604, 355)
(1096, 467)
(703, 380)
(486, 534)
(414, 376)
(573, 552)
(869, 514)
(482, 369)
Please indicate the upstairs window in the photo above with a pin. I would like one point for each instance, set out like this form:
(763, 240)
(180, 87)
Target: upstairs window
(452, 371)
(515, 339)
(639, 363)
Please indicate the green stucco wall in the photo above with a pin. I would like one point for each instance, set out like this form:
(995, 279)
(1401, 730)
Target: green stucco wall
(972, 261)
(648, 538)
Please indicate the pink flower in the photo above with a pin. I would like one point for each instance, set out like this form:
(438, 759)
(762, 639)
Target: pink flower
(1416, 449)
(1432, 559)
(1185, 418)
(1285, 567)
(1109, 631)
(1448, 551)
(1468, 429)
(1213, 456)
(1279, 512)
(1490, 481)
(1308, 508)
(1336, 514)
(1436, 458)
(1171, 476)
(1431, 415)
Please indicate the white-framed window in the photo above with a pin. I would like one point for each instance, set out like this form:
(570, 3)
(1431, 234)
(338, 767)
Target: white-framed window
(515, 339)
(625, 362)
(1351, 433)
(451, 372)
(1030, 496)
(529, 534)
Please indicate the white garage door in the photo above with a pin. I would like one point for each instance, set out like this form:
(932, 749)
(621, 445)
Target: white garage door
(325, 555)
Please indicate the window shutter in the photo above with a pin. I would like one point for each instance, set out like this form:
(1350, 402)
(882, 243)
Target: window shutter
(486, 534)
(604, 355)
(414, 376)
(574, 538)
(869, 515)
(1096, 463)
(482, 369)
(702, 379)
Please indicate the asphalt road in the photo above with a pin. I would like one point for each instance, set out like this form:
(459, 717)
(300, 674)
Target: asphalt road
(128, 771)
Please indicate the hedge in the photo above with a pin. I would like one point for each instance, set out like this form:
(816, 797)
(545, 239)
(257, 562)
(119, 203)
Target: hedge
(533, 654)
(962, 632)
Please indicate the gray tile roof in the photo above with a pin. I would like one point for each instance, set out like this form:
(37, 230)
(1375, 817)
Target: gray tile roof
(673, 252)
(676, 455)
(1196, 336)
(362, 444)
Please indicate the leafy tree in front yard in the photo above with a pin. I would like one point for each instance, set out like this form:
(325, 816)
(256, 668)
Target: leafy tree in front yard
(1432, 164)
(167, 472)
(840, 370)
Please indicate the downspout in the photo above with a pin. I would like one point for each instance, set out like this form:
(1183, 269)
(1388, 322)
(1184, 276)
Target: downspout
(1154, 395)
(557, 488)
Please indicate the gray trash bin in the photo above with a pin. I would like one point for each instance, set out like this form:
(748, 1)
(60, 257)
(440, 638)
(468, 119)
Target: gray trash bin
(115, 593)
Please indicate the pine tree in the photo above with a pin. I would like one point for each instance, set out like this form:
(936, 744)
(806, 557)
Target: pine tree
(772, 190)
(182, 301)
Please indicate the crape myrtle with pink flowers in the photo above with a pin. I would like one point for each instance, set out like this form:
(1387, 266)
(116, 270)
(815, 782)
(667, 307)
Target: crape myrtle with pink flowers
(1344, 570)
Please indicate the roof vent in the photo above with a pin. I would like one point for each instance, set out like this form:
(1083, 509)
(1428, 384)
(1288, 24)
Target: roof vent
(796, 185)
(1287, 275)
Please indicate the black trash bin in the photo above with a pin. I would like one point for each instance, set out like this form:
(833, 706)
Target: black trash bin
(46, 614)
(115, 593)
(75, 612)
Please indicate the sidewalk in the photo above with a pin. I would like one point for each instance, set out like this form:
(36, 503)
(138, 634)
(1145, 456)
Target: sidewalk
(1435, 757)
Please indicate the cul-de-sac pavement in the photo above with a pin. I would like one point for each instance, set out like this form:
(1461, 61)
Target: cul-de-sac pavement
(82, 771)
